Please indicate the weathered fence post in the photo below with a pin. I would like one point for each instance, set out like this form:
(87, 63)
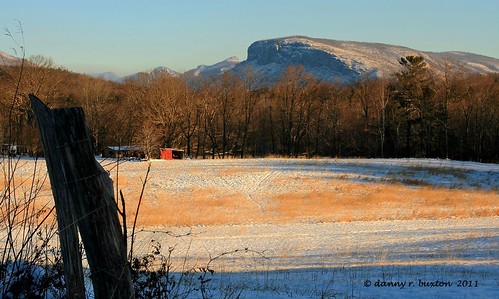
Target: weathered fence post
(66, 219)
(83, 194)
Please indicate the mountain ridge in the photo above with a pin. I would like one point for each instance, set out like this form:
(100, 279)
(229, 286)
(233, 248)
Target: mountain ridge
(325, 59)
(7, 59)
(348, 60)
(214, 69)
(341, 60)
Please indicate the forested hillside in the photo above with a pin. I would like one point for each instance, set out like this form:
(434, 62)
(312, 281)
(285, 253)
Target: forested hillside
(414, 113)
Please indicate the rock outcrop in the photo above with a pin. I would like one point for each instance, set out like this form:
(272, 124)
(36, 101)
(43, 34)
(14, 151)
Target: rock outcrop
(346, 61)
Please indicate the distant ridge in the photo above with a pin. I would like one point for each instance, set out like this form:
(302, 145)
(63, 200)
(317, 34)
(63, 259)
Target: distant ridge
(326, 59)
(215, 69)
(346, 61)
(6, 59)
(115, 78)
(110, 76)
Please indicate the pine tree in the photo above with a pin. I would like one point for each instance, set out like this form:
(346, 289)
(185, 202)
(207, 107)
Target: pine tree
(414, 92)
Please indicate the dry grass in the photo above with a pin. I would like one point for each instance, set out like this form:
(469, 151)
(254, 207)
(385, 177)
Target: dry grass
(300, 199)
(313, 201)
(200, 206)
(364, 202)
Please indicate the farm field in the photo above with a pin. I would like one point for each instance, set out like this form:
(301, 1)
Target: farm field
(279, 228)
(321, 228)
(278, 191)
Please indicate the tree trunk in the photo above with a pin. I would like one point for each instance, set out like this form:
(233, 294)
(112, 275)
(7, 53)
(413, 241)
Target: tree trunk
(84, 195)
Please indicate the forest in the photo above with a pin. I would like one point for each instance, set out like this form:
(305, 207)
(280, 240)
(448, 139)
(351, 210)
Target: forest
(416, 112)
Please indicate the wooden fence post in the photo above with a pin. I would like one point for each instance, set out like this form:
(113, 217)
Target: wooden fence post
(83, 194)
(66, 219)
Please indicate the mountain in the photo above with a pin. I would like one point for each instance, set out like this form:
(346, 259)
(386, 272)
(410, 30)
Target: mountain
(110, 76)
(6, 59)
(164, 70)
(216, 69)
(115, 78)
(346, 60)
(327, 60)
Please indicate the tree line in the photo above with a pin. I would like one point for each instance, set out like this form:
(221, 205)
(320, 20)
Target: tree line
(416, 112)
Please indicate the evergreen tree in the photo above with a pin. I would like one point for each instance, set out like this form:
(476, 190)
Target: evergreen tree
(414, 92)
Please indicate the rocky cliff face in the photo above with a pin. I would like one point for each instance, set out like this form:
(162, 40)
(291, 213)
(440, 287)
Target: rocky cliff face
(271, 57)
(346, 61)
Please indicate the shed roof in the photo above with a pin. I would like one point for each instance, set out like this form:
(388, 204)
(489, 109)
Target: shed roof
(124, 148)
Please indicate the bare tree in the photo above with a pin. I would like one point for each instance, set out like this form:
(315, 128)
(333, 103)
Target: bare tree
(249, 100)
(163, 100)
(190, 110)
(293, 103)
(479, 120)
(97, 100)
(381, 103)
(211, 127)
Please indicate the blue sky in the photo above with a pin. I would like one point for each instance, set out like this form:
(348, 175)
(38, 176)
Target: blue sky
(128, 36)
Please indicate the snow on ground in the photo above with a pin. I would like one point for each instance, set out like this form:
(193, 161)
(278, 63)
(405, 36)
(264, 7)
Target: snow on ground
(420, 281)
(307, 256)
(308, 259)
(433, 172)
(446, 258)
(303, 245)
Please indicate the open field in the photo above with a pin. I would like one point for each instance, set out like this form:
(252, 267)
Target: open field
(279, 228)
(323, 228)
(278, 191)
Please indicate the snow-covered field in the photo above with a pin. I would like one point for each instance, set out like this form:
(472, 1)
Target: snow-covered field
(372, 259)
(208, 192)
(325, 228)
(273, 228)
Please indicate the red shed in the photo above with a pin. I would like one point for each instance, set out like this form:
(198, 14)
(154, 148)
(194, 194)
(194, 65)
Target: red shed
(171, 153)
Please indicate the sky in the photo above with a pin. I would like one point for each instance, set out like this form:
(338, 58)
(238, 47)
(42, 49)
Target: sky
(129, 36)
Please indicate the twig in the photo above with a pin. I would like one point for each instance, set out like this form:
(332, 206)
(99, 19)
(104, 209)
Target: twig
(123, 216)
(137, 212)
